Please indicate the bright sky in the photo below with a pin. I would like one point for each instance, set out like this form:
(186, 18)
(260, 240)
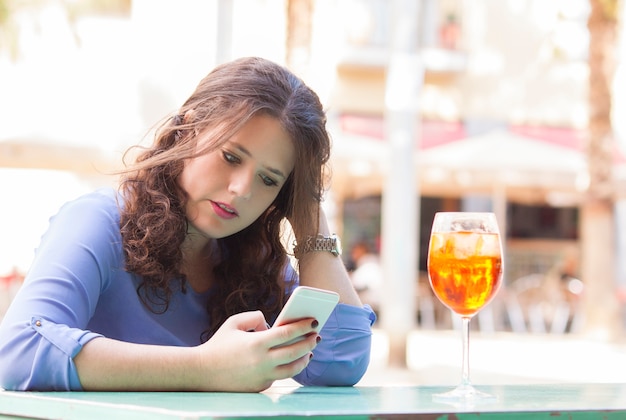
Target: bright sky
(105, 91)
(59, 92)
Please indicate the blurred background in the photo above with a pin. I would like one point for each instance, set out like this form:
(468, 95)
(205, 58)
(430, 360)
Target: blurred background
(510, 106)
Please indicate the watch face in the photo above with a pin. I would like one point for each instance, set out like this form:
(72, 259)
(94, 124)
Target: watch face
(337, 248)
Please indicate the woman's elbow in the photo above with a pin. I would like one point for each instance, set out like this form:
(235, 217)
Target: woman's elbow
(25, 367)
(21, 376)
(345, 372)
(349, 372)
(14, 373)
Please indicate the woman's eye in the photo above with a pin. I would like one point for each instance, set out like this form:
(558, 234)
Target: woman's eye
(230, 158)
(268, 181)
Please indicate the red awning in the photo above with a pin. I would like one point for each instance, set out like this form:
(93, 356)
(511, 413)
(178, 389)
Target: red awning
(432, 133)
(437, 133)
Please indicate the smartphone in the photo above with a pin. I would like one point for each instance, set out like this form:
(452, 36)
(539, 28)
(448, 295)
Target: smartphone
(307, 302)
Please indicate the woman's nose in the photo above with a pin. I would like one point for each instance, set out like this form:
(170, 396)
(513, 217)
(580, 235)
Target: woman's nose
(241, 184)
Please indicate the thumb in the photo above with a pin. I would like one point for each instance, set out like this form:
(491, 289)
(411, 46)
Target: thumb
(249, 321)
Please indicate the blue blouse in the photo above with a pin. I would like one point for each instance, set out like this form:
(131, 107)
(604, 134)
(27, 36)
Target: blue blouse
(77, 289)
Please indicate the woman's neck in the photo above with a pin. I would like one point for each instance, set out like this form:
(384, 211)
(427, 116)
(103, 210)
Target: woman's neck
(199, 255)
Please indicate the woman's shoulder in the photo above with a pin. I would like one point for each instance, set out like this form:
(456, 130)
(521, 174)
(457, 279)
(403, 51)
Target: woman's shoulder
(84, 236)
(104, 200)
(96, 211)
(104, 195)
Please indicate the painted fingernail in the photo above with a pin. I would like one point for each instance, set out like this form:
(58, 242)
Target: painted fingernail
(318, 339)
(314, 324)
(310, 356)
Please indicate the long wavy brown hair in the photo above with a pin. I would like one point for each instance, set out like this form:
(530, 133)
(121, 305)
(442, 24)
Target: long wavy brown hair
(250, 273)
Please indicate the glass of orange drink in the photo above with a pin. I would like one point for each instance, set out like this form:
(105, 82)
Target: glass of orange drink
(465, 271)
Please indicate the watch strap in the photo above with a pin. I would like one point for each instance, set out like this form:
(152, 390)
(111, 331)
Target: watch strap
(317, 243)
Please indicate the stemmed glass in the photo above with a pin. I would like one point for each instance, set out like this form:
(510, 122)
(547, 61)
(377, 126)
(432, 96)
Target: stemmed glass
(465, 272)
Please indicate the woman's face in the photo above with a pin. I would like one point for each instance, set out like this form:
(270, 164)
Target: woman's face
(229, 188)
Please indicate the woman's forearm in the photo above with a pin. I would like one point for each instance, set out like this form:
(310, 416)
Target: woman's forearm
(242, 356)
(106, 365)
(327, 271)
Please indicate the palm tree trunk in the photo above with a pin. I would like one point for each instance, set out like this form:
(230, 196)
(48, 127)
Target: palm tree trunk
(299, 28)
(597, 214)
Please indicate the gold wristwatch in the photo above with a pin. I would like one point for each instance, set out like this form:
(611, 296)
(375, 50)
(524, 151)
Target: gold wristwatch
(320, 242)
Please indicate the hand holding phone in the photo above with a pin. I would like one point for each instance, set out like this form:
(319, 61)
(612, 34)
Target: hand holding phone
(307, 302)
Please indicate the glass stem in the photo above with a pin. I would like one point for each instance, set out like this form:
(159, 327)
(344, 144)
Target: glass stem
(465, 381)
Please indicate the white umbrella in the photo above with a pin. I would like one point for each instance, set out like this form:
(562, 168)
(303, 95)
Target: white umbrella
(503, 158)
(496, 160)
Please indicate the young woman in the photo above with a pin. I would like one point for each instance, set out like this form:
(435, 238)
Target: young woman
(170, 282)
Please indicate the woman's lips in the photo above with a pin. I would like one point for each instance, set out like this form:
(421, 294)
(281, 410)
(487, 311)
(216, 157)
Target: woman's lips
(223, 210)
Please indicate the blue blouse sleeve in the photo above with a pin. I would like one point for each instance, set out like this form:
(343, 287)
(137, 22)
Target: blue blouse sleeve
(343, 355)
(44, 328)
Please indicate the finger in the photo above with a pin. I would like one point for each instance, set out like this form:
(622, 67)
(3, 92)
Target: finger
(249, 321)
(288, 353)
(286, 333)
(288, 370)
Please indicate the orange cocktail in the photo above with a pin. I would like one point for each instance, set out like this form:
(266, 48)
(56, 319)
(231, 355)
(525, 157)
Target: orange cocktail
(465, 272)
(465, 269)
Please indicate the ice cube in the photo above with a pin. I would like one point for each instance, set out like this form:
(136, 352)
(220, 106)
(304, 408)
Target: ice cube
(465, 244)
(468, 225)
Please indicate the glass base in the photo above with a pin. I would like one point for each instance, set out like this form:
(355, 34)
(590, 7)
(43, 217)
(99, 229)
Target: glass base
(464, 394)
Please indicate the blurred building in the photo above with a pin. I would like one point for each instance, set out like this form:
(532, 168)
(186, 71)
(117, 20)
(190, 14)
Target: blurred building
(502, 108)
(501, 126)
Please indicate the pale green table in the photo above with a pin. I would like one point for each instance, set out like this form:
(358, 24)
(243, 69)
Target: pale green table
(554, 402)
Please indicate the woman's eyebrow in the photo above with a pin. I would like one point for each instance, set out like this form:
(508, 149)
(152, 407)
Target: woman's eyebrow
(246, 152)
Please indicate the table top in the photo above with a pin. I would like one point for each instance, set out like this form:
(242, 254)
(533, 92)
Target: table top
(569, 401)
